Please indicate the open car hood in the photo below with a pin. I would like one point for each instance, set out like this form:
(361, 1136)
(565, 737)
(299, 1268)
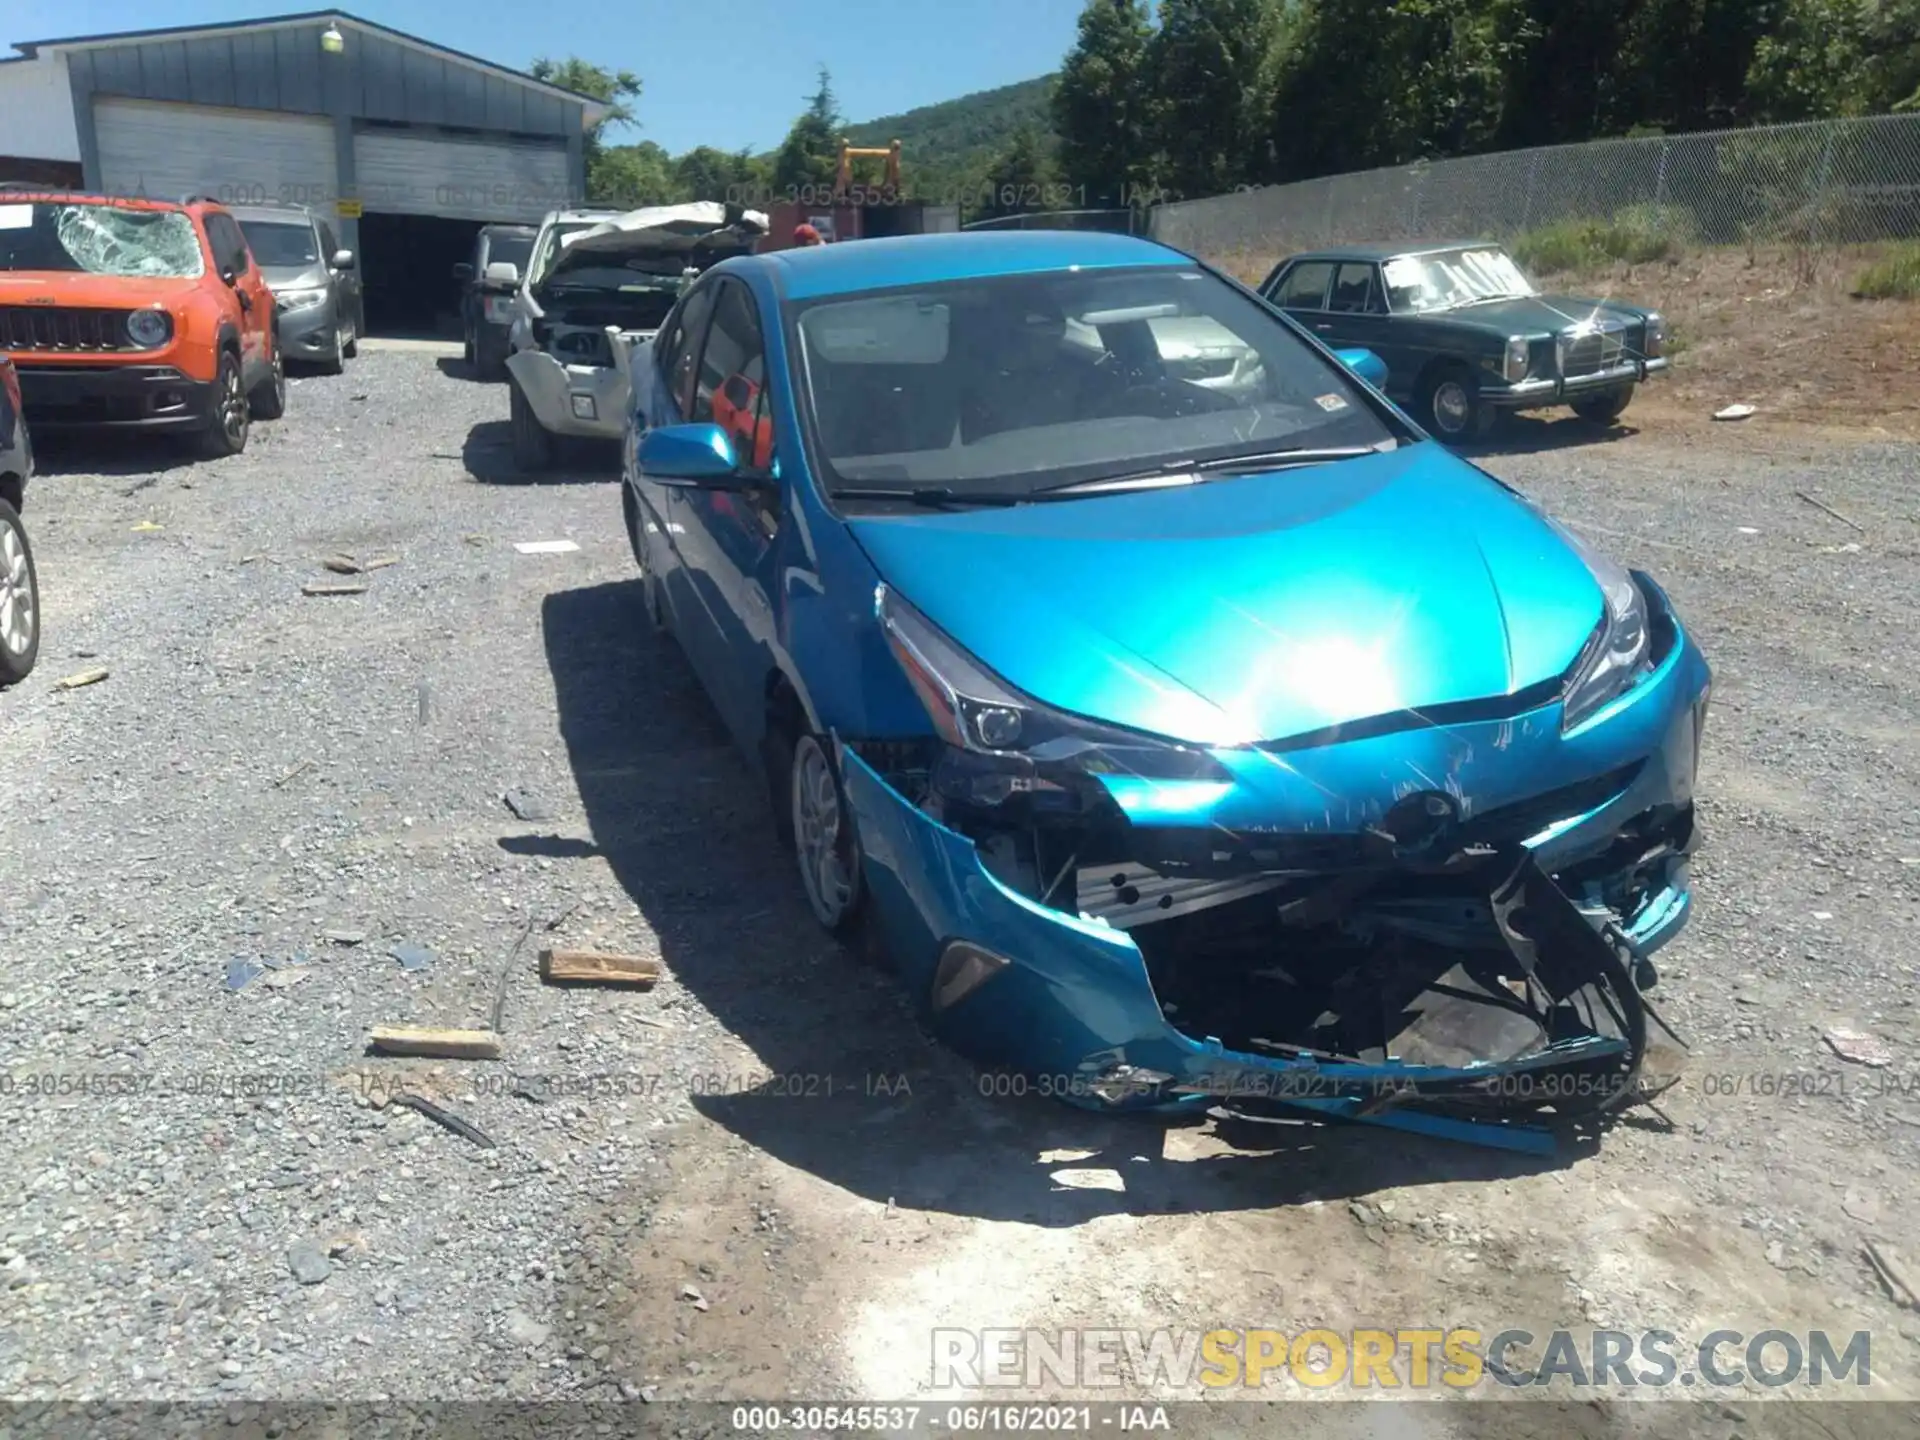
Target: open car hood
(663, 230)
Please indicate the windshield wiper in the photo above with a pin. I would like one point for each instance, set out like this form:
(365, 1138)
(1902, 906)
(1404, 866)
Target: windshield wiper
(1190, 472)
(934, 497)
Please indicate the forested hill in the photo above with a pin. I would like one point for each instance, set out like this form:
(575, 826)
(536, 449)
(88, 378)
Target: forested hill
(948, 147)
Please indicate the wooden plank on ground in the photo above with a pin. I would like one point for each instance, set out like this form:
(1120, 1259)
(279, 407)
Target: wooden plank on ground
(444, 1044)
(596, 967)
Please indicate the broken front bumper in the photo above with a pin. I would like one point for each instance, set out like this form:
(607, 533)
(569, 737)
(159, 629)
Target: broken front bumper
(1068, 1002)
(586, 400)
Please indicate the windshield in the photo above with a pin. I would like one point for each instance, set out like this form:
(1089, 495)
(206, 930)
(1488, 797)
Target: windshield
(98, 240)
(1446, 278)
(510, 250)
(549, 242)
(280, 244)
(1030, 381)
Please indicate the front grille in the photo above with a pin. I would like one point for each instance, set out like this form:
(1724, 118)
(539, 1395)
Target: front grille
(1595, 350)
(63, 328)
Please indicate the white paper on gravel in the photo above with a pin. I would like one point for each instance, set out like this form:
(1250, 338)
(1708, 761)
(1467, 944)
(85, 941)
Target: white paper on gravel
(544, 547)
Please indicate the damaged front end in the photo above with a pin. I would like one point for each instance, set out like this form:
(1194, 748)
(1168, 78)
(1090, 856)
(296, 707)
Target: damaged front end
(1407, 924)
(606, 293)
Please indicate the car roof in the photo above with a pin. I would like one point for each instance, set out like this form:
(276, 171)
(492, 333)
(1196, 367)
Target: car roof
(1375, 251)
(269, 212)
(509, 229)
(851, 266)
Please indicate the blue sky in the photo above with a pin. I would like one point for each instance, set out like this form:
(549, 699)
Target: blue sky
(732, 81)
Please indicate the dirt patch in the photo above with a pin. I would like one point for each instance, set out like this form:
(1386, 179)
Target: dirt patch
(1776, 328)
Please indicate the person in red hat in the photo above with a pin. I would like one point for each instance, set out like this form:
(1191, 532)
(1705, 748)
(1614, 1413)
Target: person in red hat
(807, 235)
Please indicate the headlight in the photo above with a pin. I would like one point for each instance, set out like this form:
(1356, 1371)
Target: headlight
(304, 299)
(149, 329)
(1656, 343)
(1620, 648)
(982, 716)
(1517, 358)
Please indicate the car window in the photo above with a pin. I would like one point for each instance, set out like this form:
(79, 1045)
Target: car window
(683, 354)
(1356, 289)
(731, 388)
(229, 245)
(1305, 286)
(329, 246)
(510, 250)
(1024, 381)
(276, 244)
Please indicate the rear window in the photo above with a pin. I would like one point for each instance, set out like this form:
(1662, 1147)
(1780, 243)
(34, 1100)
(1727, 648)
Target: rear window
(97, 239)
(509, 249)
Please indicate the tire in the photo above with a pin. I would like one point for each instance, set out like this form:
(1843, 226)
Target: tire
(825, 847)
(1604, 409)
(19, 600)
(352, 347)
(336, 363)
(489, 361)
(229, 419)
(269, 398)
(533, 447)
(1449, 405)
(467, 351)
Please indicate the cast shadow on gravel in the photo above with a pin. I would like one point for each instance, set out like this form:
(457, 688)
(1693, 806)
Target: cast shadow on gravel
(487, 454)
(1530, 434)
(82, 452)
(860, 1096)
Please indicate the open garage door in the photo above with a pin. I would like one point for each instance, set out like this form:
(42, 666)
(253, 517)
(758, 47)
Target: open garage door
(239, 157)
(402, 173)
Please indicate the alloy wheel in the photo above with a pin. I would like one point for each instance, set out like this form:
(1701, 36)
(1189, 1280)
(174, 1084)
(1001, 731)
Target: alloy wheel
(233, 406)
(19, 613)
(823, 836)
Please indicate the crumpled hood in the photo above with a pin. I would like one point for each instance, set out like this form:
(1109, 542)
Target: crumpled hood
(660, 230)
(1256, 608)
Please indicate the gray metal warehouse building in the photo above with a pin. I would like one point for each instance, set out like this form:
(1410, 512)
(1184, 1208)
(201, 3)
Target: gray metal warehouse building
(405, 146)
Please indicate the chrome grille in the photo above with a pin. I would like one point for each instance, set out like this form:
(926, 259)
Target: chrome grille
(63, 328)
(1584, 352)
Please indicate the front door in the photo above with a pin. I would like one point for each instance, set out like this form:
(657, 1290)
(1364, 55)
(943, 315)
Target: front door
(233, 258)
(734, 530)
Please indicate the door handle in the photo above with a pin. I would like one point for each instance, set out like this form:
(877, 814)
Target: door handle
(1323, 328)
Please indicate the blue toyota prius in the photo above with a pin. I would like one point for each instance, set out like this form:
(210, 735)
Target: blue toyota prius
(1190, 728)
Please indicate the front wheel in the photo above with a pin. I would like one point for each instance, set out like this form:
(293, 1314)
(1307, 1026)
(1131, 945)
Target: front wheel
(1605, 408)
(19, 600)
(532, 445)
(269, 398)
(824, 842)
(1451, 408)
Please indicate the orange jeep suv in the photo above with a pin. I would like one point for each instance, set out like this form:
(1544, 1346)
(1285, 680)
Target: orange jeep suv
(136, 314)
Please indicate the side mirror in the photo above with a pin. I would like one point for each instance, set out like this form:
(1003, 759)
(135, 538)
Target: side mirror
(1367, 365)
(696, 457)
(463, 272)
(343, 259)
(503, 272)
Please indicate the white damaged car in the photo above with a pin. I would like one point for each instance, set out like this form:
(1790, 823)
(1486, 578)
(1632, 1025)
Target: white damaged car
(598, 285)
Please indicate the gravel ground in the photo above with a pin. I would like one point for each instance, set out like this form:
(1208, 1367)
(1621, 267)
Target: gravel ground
(218, 1200)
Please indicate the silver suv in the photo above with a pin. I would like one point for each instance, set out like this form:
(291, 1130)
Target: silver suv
(315, 284)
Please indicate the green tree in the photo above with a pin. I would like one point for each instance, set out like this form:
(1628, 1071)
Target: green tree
(618, 90)
(705, 173)
(1102, 106)
(1020, 177)
(1838, 57)
(1207, 66)
(808, 157)
(630, 176)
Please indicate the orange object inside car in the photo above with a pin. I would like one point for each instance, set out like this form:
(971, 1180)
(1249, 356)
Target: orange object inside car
(736, 411)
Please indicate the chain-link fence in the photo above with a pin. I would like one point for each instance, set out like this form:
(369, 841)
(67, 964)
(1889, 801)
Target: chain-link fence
(1824, 182)
(1118, 222)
